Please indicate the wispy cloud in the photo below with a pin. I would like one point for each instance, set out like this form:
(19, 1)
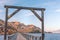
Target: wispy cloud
(1, 11)
(4, 2)
(29, 14)
(57, 10)
(49, 3)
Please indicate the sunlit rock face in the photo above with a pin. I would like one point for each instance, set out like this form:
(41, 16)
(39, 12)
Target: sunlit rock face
(1, 22)
(15, 26)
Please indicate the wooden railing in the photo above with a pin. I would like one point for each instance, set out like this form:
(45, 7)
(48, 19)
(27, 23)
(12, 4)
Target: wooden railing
(31, 37)
(27, 36)
(12, 37)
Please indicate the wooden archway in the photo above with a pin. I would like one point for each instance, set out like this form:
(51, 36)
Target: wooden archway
(28, 8)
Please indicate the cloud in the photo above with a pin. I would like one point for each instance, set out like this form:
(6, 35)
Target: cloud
(2, 2)
(58, 10)
(49, 3)
(1, 11)
(5, 2)
(29, 14)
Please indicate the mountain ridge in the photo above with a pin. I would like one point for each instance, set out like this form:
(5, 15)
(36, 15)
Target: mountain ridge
(20, 27)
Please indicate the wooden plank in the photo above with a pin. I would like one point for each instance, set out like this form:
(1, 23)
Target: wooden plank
(20, 7)
(6, 19)
(20, 37)
(36, 15)
(13, 13)
(42, 14)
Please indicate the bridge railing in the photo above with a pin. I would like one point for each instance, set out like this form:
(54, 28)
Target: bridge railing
(12, 37)
(27, 36)
(31, 37)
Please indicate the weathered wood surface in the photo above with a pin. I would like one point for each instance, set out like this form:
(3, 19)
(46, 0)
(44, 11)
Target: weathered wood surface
(16, 36)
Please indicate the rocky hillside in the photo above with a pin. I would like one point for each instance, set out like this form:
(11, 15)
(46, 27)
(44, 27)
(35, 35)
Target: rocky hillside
(17, 26)
(1, 22)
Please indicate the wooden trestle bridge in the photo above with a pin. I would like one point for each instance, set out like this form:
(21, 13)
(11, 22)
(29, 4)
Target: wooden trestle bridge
(28, 8)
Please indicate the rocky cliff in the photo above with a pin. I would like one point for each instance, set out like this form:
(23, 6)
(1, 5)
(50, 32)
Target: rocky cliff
(17, 26)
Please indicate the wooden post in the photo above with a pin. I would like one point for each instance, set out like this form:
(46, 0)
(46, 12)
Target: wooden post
(13, 13)
(42, 14)
(31, 38)
(6, 19)
(35, 38)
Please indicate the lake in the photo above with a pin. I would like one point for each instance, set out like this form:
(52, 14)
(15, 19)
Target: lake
(48, 36)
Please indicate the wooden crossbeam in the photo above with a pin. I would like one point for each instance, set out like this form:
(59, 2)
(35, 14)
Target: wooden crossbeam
(29, 8)
(20, 7)
(36, 15)
(13, 13)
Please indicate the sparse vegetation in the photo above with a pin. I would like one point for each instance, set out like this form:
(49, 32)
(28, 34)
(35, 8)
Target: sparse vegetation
(17, 26)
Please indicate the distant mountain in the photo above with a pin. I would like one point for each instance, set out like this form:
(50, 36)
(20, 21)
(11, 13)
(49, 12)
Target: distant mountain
(1, 22)
(24, 28)
(20, 27)
(57, 31)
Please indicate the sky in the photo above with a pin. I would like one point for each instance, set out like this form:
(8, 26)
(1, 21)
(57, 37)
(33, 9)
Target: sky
(51, 14)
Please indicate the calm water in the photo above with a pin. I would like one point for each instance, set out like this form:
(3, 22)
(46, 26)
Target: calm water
(50, 36)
